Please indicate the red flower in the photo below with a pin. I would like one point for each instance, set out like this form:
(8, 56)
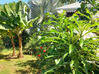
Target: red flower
(41, 47)
(39, 55)
(44, 50)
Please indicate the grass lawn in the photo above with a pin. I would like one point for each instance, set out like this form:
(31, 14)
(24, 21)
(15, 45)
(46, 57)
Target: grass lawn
(25, 65)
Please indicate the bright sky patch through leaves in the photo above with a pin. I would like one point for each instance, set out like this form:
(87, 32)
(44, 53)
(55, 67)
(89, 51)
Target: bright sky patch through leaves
(8, 1)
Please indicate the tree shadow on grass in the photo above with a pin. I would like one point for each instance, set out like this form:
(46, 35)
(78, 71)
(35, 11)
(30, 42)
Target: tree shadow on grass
(1, 49)
(6, 57)
(22, 72)
(33, 66)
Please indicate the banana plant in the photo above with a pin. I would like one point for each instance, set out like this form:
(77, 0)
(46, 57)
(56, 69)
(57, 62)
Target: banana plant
(16, 17)
(9, 33)
(6, 30)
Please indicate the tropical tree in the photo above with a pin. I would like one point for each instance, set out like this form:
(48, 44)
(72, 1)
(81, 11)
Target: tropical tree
(6, 30)
(16, 17)
(9, 33)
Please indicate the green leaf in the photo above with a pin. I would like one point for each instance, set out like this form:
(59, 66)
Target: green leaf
(70, 48)
(57, 61)
(47, 57)
(72, 66)
(54, 67)
(18, 7)
(92, 30)
(81, 42)
(85, 66)
(2, 28)
(64, 56)
(30, 23)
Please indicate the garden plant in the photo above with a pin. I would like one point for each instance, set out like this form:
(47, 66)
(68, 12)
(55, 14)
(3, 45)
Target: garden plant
(49, 42)
(70, 50)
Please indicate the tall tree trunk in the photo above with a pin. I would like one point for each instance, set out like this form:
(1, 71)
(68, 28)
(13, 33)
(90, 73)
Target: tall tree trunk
(20, 55)
(13, 46)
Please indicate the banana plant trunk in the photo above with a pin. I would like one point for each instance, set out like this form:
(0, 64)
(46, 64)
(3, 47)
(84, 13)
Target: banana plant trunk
(13, 46)
(20, 55)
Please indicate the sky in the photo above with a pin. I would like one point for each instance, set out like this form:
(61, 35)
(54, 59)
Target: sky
(8, 1)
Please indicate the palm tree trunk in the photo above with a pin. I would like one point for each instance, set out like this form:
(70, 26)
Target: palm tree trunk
(13, 46)
(20, 55)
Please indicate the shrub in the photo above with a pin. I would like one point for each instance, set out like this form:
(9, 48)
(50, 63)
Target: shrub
(69, 52)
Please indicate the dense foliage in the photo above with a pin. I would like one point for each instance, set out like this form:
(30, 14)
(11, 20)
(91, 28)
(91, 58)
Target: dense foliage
(61, 44)
(70, 49)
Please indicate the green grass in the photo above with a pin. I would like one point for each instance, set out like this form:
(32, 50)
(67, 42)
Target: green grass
(25, 65)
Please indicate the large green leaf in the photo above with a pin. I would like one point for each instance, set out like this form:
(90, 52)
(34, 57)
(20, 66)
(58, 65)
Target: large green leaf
(71, 48)
(30, 22)
(85, 66)
(19, 7)
(8, 10)
(72, 66)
